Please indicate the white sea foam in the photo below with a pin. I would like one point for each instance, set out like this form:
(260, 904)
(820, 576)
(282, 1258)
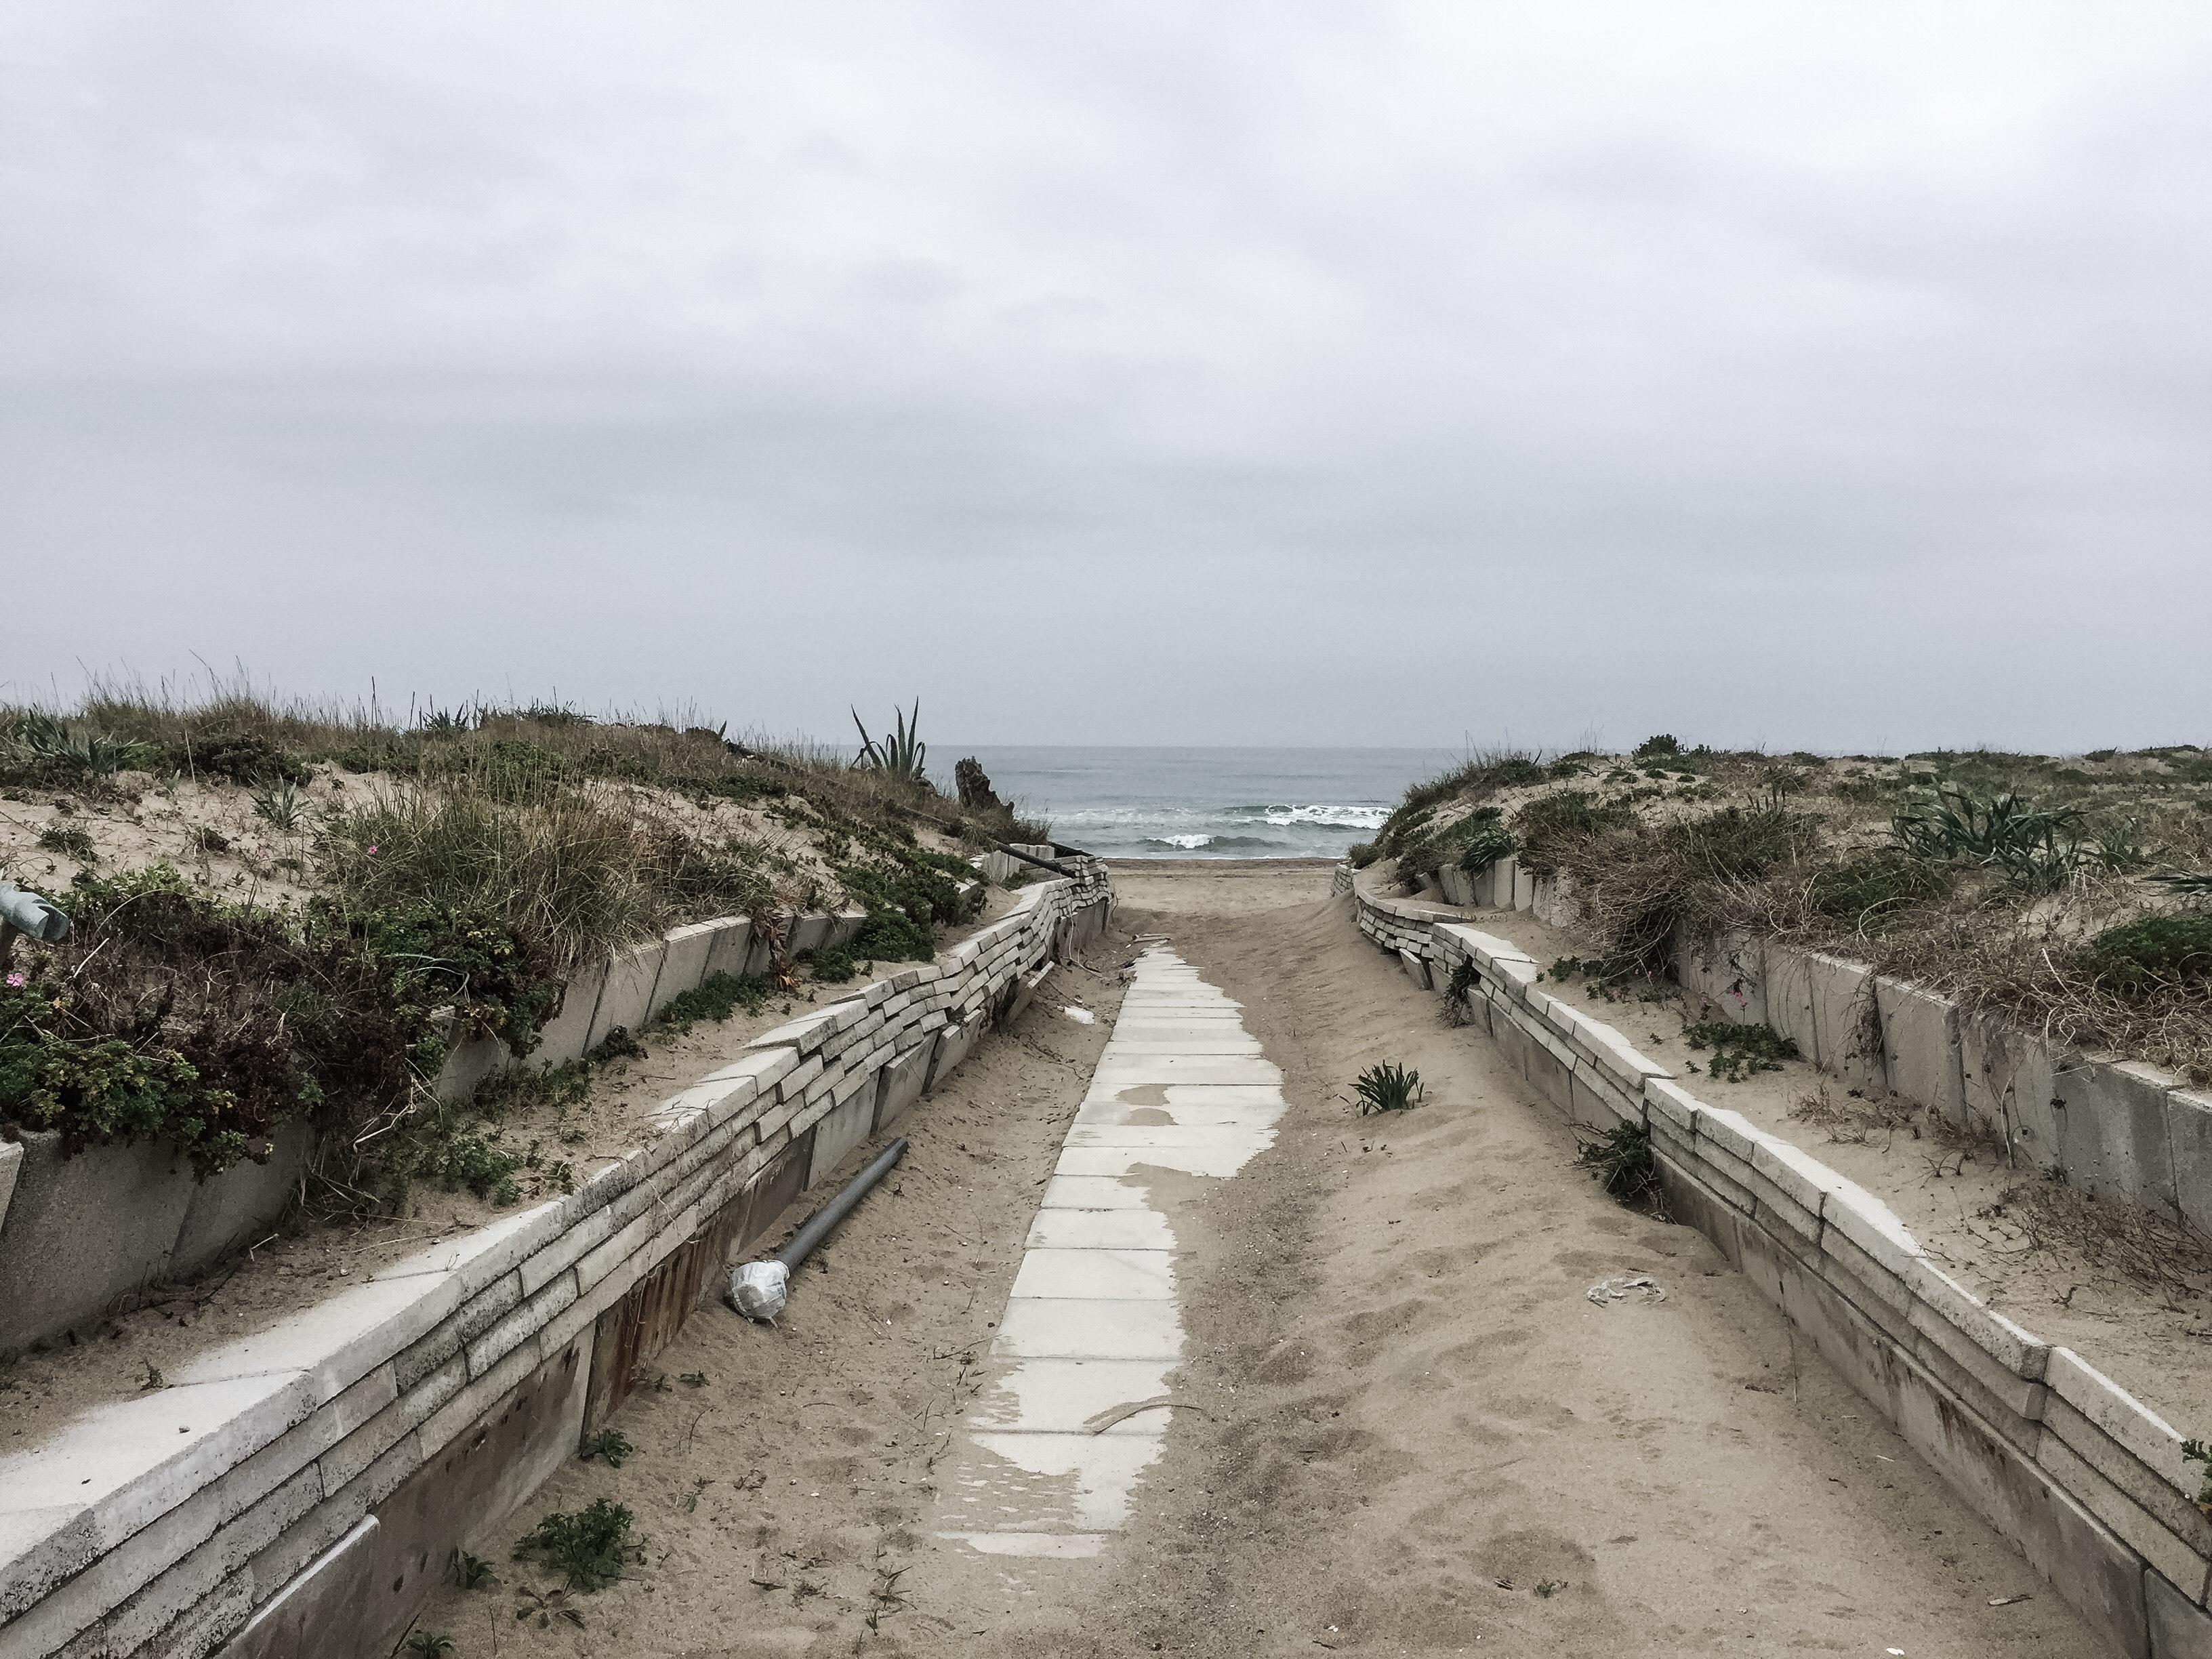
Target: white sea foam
(1339, 818)
(1187, 842)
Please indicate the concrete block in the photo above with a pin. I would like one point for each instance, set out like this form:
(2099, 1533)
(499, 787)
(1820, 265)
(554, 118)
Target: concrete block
(567, 1034)
(685, 964)
(2097, 1574)
(903, 1076)
(1665, 1098)
(335, 1343)
(953, 1046)
(1593, 1100)
(457, 1499)
(1550, 1067)
(843, 1127)
(241, 1204)
(1724, 973)
(2189, 1135)
(2145, 1487)
(2112, 1129)
(2178, 1628)
(1920, 1047)
(2010, 1081)
(2122, 1418)
(11, 1164)
(846, 925)
(331, 1597)
(117, 1469)
(1846, 1022)
(627, 999)
(467, 1066)
(60, 1273)
(1694, 1203)
(1416, 967)
(728, 946)
(809, 932)
(2011, 1407)
(1458, 885)
(1788, 979)
(1945, 1302)
(1872, 1226)
(2127, 1519)
(1524, 888)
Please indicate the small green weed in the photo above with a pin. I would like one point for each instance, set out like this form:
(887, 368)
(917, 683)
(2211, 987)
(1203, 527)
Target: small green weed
(1621, 1160)
(1739, 1051)
(2196, 1451)
(693, 1379)
(70, 839)
(2154, 952)
(152, 1379)
(1388, 1088)
(1548, 1588)
(280, 804)
(587, 1548)
(717, 997)
(472, 1571)
(609, 1444)
(428, 1642)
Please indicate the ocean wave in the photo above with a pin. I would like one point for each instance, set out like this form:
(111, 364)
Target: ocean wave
(1219, 843)
(1188, 843)
(1332, 817)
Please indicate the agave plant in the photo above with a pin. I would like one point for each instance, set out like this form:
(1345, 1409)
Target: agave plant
(2189, 884)
(2035, 847)
(280, 802)
(40, 738)
(1388, 1088)
(901, 752)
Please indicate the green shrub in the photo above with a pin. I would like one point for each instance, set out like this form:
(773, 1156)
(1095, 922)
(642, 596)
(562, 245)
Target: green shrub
(1548, 825)
(1388, 1088)
(717, 997)
(240, 757)
(2154, 952)
(588, 1548)
(1655, 748)
(1739, 1051)
(1363, 854)
(1620, 1159)
(70, 839)
(1868, 889)
(831, 964)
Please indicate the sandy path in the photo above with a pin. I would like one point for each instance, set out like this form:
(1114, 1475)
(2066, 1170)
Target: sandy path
(1408, 1420)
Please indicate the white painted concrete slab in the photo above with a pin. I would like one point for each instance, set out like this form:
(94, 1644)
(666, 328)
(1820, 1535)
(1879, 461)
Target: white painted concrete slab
(1097, 1275)
(1074, 1410)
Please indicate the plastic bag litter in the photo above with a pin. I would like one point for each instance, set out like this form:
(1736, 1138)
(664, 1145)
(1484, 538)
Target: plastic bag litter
(1607, 1291)
(758, 1289)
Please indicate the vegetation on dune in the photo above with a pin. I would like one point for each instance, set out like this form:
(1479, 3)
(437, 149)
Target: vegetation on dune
(2065, 892)
(457, 865)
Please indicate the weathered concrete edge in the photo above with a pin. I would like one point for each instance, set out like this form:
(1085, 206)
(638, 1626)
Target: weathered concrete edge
(2085, 1478)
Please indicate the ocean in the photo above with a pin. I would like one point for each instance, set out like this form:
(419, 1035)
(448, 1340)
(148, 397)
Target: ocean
(1204, 803)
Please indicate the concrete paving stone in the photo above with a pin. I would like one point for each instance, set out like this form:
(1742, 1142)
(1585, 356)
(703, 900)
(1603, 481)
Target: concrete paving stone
(1796, 1172)
(1047, 1396)
(2112, 1127)
(730, 946)
(1104, 1468)
(1187, 1068)
(1114, 1112)
(1040, 1328)
(521, 1323)
(1416, 966)
(902, 1078)
(1096, 1275)
(1100, 1230)
(2012, 1405)
(1920, 1047)
(1124, 1051)
(1220, 1159)
(1668, 1099)
(1063, 1192)
(841, 1129)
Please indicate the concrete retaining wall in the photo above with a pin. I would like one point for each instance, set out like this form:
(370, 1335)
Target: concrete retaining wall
(298, 1491)
(58, 1273)
(2086, 1480)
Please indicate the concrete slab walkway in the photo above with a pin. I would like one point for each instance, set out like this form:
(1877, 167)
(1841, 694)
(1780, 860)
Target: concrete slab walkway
(1074, 1408)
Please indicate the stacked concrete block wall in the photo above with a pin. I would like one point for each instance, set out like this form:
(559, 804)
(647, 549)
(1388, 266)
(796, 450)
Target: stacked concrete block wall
(2088, 1482)
(2116, 1128)
(298, 1491)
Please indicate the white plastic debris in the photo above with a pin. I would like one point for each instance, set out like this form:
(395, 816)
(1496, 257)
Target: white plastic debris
(1080, 1016)
(1607, 1291)
(758, 1289)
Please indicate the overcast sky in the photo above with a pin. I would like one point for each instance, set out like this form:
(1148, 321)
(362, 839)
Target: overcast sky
(1282, 373)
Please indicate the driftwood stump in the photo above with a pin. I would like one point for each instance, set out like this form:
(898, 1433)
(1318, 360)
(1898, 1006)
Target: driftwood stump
(974, 788)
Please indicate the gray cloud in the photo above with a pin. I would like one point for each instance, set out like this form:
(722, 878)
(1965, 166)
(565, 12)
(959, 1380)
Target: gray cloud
(1284, 373)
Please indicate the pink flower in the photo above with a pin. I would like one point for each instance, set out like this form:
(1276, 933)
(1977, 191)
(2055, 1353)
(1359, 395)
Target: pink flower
(16, 981)
(371, 847)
